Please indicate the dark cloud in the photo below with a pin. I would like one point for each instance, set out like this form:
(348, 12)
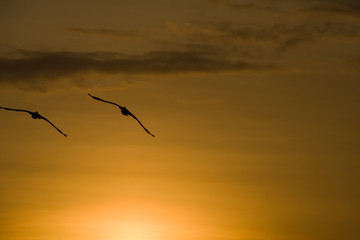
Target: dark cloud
(295, 23)
(45, 67)
(342, 7)
(252, 5)
(281, 35)
(338, 7)
(104, 32)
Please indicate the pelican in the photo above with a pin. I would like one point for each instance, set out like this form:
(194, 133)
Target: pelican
(35, 115)
(124, 111)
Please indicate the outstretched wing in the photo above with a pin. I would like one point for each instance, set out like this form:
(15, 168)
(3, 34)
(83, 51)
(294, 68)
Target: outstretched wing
(124, 111)
(18, 110)
(65, 135)
(140, 124)
(99, 99)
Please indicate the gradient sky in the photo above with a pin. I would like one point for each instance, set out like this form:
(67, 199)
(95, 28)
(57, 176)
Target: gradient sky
(254, 104)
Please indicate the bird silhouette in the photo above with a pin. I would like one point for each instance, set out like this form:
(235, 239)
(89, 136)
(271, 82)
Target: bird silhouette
(35, 115)
(124, 111)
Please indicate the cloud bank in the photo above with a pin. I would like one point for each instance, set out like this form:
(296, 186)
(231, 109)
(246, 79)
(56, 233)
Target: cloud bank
(47, 67)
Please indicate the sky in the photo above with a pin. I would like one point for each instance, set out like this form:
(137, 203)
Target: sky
(254, 106)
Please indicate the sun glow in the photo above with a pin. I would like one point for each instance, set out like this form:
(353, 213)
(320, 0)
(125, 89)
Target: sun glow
(130, 221)
(134, 230)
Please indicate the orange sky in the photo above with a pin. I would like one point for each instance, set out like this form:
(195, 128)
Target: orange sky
(254, 105)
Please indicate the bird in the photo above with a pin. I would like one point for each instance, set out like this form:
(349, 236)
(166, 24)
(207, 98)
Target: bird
(35, 115)
(124, 111)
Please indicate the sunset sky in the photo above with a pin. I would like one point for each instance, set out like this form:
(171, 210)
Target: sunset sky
(254, 105)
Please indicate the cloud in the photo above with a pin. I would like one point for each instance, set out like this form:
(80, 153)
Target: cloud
(38, 68)
(262, 6)
(104, 32)
(281, 35)
(338, 7)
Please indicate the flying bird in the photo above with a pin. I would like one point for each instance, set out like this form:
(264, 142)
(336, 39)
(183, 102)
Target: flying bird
(124, 111)
(35, 115)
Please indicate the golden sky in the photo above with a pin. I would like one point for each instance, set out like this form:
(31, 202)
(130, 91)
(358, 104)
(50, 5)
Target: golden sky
(254, 105)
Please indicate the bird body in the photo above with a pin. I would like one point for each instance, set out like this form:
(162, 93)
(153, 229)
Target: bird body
(124, 111)
(35, 115)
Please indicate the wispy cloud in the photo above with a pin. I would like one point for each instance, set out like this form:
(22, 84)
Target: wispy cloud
(46, 67)
(252, 5)
(104, 32)
(341, 7)
(334, 7)
(281, 35)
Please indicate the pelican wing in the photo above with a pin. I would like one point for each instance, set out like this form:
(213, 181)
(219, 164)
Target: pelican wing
(102, 100)
(18, 110)
(122, 108)
(141, 124)
(65, 135)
